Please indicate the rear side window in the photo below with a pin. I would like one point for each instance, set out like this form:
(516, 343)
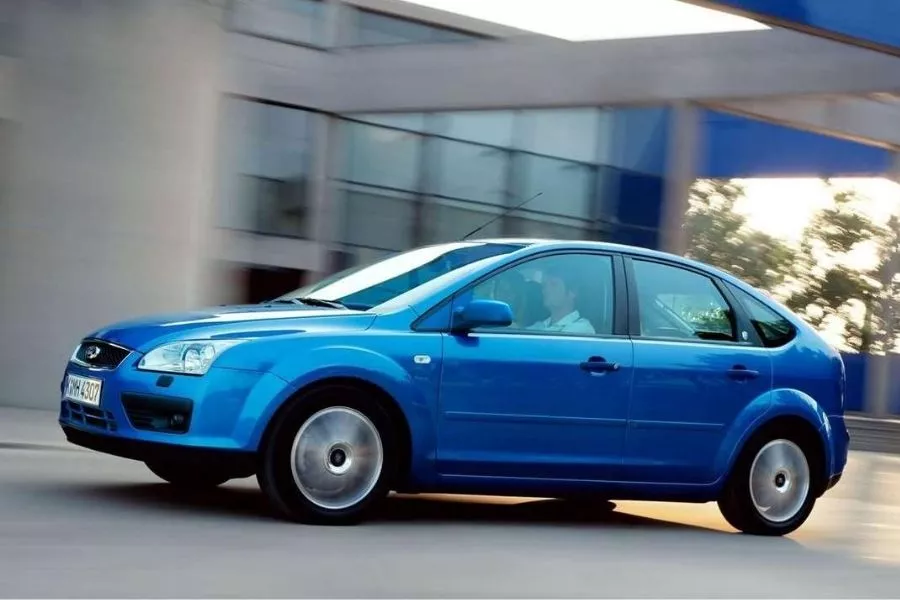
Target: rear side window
(681, 304)
(773, 329)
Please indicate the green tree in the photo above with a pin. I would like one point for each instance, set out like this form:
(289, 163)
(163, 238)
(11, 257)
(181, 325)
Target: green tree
(816, 280)
(828, 290)
(880, 330)
(720, 236)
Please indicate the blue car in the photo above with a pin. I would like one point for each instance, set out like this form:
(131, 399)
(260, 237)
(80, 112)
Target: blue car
(583, 371)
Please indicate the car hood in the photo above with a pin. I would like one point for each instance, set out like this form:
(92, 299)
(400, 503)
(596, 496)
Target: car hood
(223, 322)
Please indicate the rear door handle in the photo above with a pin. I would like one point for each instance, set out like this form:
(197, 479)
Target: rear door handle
(742, 372)
(598, 364)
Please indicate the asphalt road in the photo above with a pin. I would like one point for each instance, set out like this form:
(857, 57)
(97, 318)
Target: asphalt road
(77, 524)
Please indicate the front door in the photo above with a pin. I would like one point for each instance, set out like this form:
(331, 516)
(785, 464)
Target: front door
(695, 369)
(546, 398)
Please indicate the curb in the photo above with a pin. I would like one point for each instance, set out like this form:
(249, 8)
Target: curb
(874, 435)
(59, 447)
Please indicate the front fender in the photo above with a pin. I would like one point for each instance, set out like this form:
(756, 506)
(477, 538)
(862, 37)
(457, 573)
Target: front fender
(769, 406)
(343, 361)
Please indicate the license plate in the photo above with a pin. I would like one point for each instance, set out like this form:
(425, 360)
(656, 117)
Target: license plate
(83, 389)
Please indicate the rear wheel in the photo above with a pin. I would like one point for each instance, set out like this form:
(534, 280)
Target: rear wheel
(329, 458)
(771, 489)
(187, 476)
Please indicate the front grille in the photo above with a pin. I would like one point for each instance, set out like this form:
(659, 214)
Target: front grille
(100, 355)
(87, 415)
(158, 413)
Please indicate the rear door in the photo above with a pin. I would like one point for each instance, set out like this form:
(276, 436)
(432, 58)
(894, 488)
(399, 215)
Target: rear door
(696, 366)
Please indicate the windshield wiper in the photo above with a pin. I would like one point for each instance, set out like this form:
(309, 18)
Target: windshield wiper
(309, 302)
(320, 302)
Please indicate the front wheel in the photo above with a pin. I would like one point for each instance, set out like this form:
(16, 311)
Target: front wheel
(185, 476)
(329, 459)
(770, 491)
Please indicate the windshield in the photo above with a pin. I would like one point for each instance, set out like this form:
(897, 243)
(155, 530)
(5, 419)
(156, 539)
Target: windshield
(364, 287)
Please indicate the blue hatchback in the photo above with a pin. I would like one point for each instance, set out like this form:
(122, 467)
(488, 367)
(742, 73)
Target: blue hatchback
(577, 370)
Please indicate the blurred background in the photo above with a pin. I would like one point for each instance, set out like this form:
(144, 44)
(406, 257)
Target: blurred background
(158, 156)
(163, 155)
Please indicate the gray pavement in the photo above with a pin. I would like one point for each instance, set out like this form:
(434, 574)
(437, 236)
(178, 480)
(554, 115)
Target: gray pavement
(30, 428)
(79, 524)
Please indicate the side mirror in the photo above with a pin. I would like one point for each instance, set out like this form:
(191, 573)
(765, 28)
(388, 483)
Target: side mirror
(482, 313)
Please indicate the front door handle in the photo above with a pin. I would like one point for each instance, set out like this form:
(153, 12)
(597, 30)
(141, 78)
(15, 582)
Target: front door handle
(598, 364)
(742, 372)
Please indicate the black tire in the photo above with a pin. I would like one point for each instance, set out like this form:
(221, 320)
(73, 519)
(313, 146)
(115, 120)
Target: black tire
(276, 474)
(736, 501)
(185, 476)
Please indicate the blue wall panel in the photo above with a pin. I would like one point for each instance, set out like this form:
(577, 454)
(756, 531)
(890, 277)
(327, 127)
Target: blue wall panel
(734, 146)
(871, 21)
(632, 183)
(639, 210)
(857, 366)
(639, 139)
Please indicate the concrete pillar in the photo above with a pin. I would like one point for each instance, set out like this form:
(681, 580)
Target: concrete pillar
(108, 213)
(681, 171)
(337, 22)
(878, 373)
(324, 207)
(324, 142)
(877, 404)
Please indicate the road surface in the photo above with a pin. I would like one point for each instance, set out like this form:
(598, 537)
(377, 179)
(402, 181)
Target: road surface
(78, 524)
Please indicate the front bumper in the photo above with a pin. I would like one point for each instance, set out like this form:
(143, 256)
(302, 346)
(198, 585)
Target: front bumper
(239, 463)
(839, 439)
(224, 410)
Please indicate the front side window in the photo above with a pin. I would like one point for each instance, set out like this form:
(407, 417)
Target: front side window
(564, 293)
(681, 304)
(773, 329)
(368, 286)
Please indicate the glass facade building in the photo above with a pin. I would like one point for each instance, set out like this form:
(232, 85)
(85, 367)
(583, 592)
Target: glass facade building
(264, 173)
(428, 178)
(293, 21)
(307, 23)
(401, 180)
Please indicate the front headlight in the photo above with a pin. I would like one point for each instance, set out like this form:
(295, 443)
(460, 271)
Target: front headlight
(192, 357)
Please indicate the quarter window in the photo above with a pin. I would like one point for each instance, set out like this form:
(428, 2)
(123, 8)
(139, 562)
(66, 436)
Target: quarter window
(681, 304)
(773, 329)
(563, 294)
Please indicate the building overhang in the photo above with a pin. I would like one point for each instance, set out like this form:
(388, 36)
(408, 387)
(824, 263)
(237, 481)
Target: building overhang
(870, 121)
(866, 23)
(551, 73)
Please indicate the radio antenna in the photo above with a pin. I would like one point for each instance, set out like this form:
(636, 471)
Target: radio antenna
(502, 214)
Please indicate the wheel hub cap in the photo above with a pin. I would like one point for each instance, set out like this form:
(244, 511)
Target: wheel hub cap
(336, 458)
(779, 481)
(339, 459)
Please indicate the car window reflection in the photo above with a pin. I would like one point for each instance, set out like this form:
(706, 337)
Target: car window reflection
(570, 294)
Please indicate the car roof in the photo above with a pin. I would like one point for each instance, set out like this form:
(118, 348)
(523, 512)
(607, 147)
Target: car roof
(549, 243)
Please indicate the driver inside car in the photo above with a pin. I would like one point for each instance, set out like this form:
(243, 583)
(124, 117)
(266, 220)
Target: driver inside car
(560, 293)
